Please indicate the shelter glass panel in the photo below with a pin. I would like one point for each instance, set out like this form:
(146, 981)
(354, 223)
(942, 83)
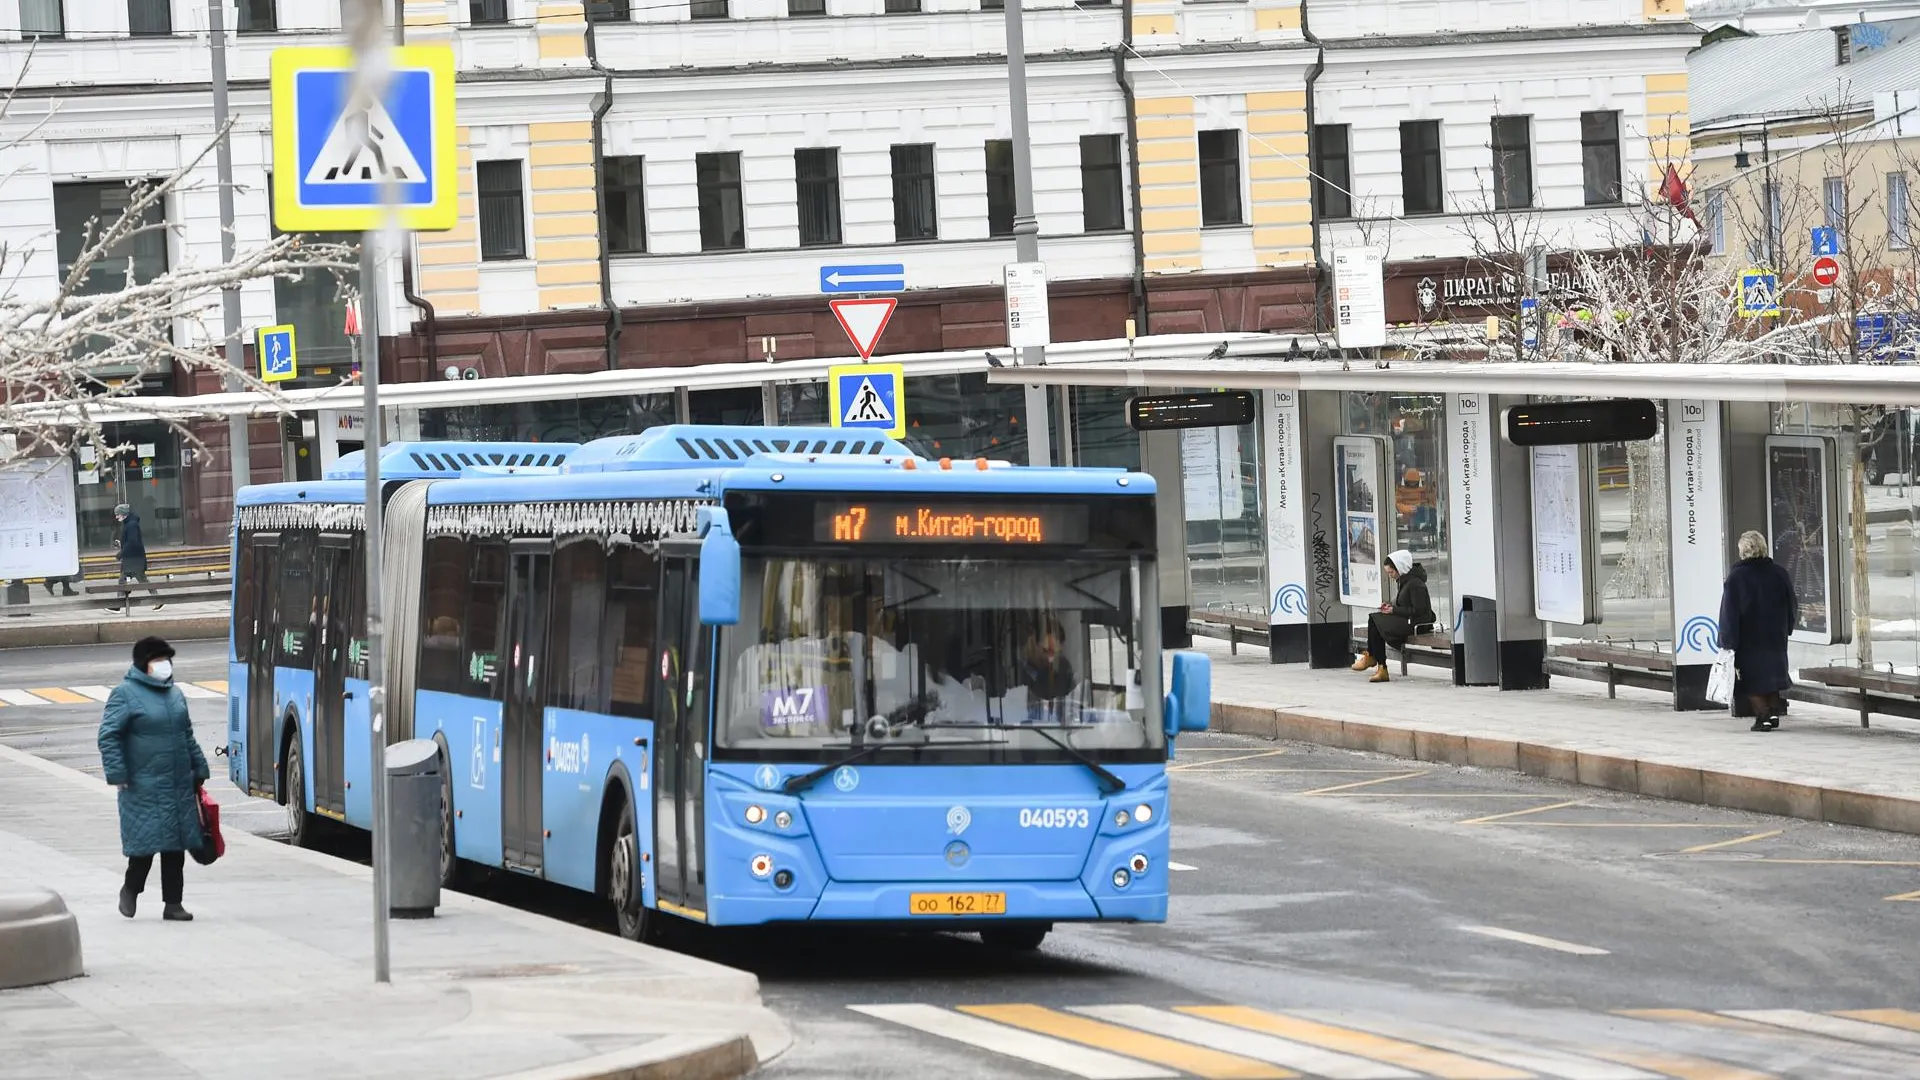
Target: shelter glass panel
(962, 416)
(1220, 493)
(1415, 424)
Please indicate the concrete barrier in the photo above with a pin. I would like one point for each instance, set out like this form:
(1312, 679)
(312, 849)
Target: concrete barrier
(39, 938)
(112, 630)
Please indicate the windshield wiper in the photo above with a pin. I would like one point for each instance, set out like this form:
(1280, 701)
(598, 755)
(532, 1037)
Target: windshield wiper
(794, 785)
(1109, 783)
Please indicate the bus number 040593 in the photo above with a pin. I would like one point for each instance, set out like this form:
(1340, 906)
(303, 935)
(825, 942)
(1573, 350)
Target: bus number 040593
(1054, 818)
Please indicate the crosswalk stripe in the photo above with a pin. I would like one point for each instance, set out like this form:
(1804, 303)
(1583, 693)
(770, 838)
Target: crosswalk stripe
(1440, 1063)
(218, 686)
(21, 697)
(58, 695)
(1837, 1027)
(202, 691)
(1198, 1060)
(1552, 1063)
(96, 693)
(1870, 1060)
(1682, 1067)
(1309, 1059)
(1013, 1042)
(1900, 1018)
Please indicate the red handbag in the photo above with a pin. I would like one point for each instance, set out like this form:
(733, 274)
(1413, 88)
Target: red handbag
(212, 844)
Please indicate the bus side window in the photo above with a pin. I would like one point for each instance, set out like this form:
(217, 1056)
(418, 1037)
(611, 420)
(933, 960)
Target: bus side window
(243, 596)
(357, 658)
(486, 589)
(633, 600)
(442, 667)
(575, 678)
(293, 629)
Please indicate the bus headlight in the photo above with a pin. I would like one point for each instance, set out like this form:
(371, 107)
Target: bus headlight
(756, 815)
(1143, 813)
(762, 865)
(782, 819)
(1138, 863)
(1120, 879)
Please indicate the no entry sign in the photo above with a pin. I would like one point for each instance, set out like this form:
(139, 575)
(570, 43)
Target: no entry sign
(1825, 272)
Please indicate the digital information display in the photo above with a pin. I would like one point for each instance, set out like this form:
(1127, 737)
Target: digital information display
(931, 523)
(1173, 412)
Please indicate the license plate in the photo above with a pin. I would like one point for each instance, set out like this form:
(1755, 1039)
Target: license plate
(957, 903)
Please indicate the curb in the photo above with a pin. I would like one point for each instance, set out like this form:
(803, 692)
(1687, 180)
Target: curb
(1679, 783)
(114, 631)
(673, 1057)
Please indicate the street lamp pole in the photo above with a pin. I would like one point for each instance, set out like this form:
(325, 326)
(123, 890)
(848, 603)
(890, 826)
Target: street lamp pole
(239, 452)
(1026, 227)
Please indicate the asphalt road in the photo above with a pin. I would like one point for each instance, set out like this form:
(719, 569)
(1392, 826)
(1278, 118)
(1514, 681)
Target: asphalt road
(1387, 918)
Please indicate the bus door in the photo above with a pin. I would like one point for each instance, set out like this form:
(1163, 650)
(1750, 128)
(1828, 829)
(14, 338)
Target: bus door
(523, 705)
(256, 646)
(680, 736)
(333, 585)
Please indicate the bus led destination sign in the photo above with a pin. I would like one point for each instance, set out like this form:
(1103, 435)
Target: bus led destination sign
(912, 523)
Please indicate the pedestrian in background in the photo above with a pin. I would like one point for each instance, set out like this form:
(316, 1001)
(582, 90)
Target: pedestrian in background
(149, 752)
(1410, 612)
(1758, 610)
(132, 549)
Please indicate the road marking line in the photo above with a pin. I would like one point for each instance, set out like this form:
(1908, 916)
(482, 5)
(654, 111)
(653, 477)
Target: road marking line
(1224, 760)
(95, 693)
(1835, 1027)
(1426, 795)
(1014, 1043)
(1696, 1016)
(1839, 862)
(1367, 783)
(58, 695)
(1198, 1060)
(1534, 939)
(218, 686)
(1914, 896)
(1683, 1067)
(201, 691)
(1730, 843)
(1625, 825)
(1900, 1018)
(1520, 813)
(20, 697)
(1253, 1044)
(1566, 1066)
(1440, 1063)
(1171, 865)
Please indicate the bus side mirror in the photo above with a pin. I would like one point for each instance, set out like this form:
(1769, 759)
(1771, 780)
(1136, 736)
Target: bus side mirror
(1190, 700)
(719, 569)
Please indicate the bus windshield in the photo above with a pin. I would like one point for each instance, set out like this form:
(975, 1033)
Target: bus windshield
(950, 656)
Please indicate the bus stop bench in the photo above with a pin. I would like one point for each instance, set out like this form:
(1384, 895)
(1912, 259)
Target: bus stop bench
(1229, 626)
(1429, 649)
(1861, 689)
(1615, 665)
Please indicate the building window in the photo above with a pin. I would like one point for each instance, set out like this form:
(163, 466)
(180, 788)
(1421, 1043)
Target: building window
(916, 214)
(708, 9)
(1899, 224)
(803, 8)
(81, 212)
(258, 17)
(1760, 248)
(1000, 188)
(1102, 192)
(1332, 171)
(149, 18)
(503, 230)
(493, 12)
(626, 194)
(42, 18)
(817, 176)
(1421, 183)
(902, 7)
(1512, 162)
(313, 305)
(605, 11)
(993, 5)
(1600, 156)
(722, 226)
(1717, 223)
(1834, 196)
(1220, 177)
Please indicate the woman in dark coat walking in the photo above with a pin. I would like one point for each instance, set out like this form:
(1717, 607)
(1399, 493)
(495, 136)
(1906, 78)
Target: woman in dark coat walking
(149, 752)
(1757, 612)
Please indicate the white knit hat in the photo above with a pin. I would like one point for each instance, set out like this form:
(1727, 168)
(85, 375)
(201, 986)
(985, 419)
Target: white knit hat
(1402, 560)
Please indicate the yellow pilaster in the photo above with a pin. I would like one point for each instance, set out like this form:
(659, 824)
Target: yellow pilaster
(1282, 193)
(566, 224)
(450, 261)
(1169, 184)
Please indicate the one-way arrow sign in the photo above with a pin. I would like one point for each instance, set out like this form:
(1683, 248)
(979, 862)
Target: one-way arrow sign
(873, 277)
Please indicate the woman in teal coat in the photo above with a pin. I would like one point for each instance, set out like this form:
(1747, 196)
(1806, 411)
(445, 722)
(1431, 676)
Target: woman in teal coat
(148, 749)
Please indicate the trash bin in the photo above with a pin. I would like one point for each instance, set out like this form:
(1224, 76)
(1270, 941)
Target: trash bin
(1477, 638)
(413, 832)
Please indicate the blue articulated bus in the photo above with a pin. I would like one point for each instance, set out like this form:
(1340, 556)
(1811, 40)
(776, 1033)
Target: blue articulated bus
(735, 675)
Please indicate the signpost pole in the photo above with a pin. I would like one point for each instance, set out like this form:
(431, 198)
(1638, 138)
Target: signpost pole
(239, 452)
(1026, 228)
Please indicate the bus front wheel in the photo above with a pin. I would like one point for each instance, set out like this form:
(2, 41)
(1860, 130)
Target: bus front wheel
(623, 884)
(301, 828)
(1016, 938)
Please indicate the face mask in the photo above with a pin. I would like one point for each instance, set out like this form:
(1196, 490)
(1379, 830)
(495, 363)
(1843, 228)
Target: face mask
(161, 669)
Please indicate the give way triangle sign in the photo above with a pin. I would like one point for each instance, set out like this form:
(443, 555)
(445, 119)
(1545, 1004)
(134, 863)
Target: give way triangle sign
(863, 320)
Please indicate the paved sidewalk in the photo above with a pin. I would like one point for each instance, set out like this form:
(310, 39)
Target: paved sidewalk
(74, 624)
(1821, 765)
(275, 976)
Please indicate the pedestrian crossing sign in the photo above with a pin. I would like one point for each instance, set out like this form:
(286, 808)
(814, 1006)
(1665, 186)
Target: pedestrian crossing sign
(333, 152)
(869, 396)
(1759, 294)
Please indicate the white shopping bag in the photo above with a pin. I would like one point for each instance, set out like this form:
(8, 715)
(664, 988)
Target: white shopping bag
(1720, 678)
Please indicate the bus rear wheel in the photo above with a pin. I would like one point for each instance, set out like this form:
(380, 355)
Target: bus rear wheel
(302, 829)
(630, 914)
(1014, 938)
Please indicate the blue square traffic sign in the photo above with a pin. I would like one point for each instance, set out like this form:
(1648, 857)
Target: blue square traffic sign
(868, 396)
(1826, 241)
(279, 360)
